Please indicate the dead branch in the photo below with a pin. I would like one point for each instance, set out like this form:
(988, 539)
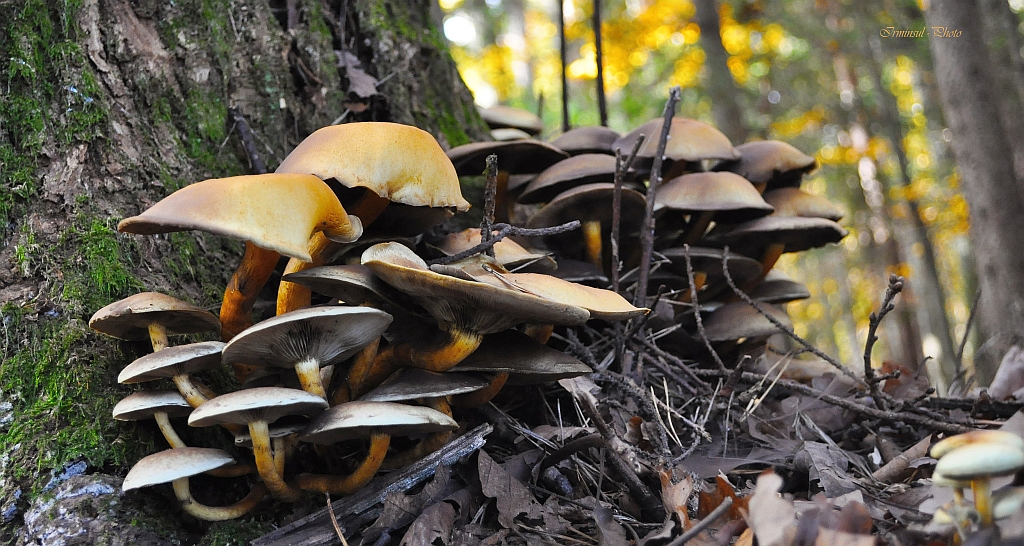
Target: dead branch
(504, 230)
(490, 196)
(894, 288)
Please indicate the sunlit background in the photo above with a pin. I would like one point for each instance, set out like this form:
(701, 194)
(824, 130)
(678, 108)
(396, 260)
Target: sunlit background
(803, 74)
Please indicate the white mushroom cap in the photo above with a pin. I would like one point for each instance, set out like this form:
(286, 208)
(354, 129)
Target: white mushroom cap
(980, 460)
(260, 404)
(174, 464)
(181, 359)
(144, 404)
(976, 437)
(1007, 502)
(360, 419)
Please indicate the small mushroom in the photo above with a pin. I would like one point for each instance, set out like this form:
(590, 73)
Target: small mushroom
(690, 142)
(154, 316)
(377, 421)
(257, 408)
(770, 164)
(177, 363)
(587, 140)
(158, 405)
(567, 174)
(308, 339)
(723, 197)
(797, 202)
(500, 116)
(504, 134)
(177, 466)
(979, 463)
(507, 252)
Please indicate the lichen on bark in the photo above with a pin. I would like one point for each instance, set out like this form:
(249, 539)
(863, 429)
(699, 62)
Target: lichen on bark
(110, 105)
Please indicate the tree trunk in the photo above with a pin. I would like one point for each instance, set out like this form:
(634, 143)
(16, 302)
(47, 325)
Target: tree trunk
(985, 163)
(723, 91)
(110, 105)
(1004, 51)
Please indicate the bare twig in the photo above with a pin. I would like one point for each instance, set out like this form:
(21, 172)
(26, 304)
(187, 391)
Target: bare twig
(703, 524)
(647, 233)
(894, 288)
(245, 133)
(959, 361)
(789, 331)
(504, 230)
(334, 521)
(602, 106)
(562, 46)
(621, 167)
(696, 305)
(490, 195)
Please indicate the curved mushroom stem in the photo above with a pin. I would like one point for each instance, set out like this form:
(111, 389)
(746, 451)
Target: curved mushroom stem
(698, 225)
(308, 371)
(982, 490)
(770, 256)
(158, 336)
(265, 464)
(167, 429)
(346, 485)
(358, 373)
(216, 513)
(461, 343)
(700, 278)
(282, 446)
(540, 332)
(478, 398)
(428, 445)
(189, 390)
(592, 240)
(252, 273)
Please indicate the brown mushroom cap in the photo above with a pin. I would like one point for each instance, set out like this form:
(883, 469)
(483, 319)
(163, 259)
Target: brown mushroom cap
(259, 404)
(181, 359)
(129, 319)
(709, 262)
(689, 140)
(796, 202)
(500, 116)
(506, 251)
(360, 419)
(567, 174)
(587, 140)
(795, 232)
(524, 358)
(398, 162)
(580, 272)
(504, 134)
(602, 304)
(590, 202)
(772, 162)
(327, 334)
(738, 320)
(279, 212)
(145, 404)
(353, 284)
(514, 156)
(413, 383)
(172, 464)
(731, 197)
(777, 288)
(473, 306)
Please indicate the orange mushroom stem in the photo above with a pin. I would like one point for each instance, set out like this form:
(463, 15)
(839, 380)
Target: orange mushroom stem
(158, 336)
(592, 239)
(265, 463)
(252, 273)
(346, 485)
(358, 373)
(698, 225)
(216, 513)
(478, 398)
(461, 343)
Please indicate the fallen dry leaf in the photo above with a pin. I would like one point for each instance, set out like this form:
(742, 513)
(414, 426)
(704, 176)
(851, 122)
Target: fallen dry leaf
(676, 496)
(610, 533)
(401, 509)
(360, 83)
(771, 518)
(433, 526)
(510, 495)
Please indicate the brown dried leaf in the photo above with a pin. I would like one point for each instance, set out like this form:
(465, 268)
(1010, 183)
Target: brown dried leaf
(401, 509)
(830, 537)
(360, 83)
(676, 496)
(828, 465)
(771, 518)
(510, 495)
(433, 526)
(610, 532)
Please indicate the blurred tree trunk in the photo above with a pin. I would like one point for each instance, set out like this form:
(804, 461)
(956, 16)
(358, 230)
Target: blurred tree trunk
(998, 23)
(108, 106)
(724, 93)
(971, 101)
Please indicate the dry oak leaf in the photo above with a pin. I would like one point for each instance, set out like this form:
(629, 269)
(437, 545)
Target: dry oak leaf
(771, 517)
(510, 495)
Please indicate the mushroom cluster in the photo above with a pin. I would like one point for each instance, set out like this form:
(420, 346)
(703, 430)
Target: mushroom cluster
(714, 196)
(369, 340)
(971, 460)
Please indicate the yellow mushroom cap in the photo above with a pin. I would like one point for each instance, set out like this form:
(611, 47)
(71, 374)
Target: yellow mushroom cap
(401, 163)
(980, 460)
(129, 319)
(278, 212)
(976, 437)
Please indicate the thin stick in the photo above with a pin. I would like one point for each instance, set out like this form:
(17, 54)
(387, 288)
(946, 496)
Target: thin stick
(696, 306)
(647, 235)
(504, 230)
(490, 195)
(334, 521)
(703, 524)
(562, 55)
(621, 167)
(959, 362)
(789, 331)
(245, 132)
(874, 320)
(602, 106)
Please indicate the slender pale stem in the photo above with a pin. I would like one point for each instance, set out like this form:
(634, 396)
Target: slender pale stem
(260, 433)
(189, 390)
(346, 485)
(983, 499)
(308, 371)
(216, 513)
(168, 430)
(158, 336)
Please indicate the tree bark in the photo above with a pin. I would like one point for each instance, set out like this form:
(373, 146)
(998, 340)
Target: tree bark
(110, 105)
(721, 87)
(1004, 50)
(985, 163)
